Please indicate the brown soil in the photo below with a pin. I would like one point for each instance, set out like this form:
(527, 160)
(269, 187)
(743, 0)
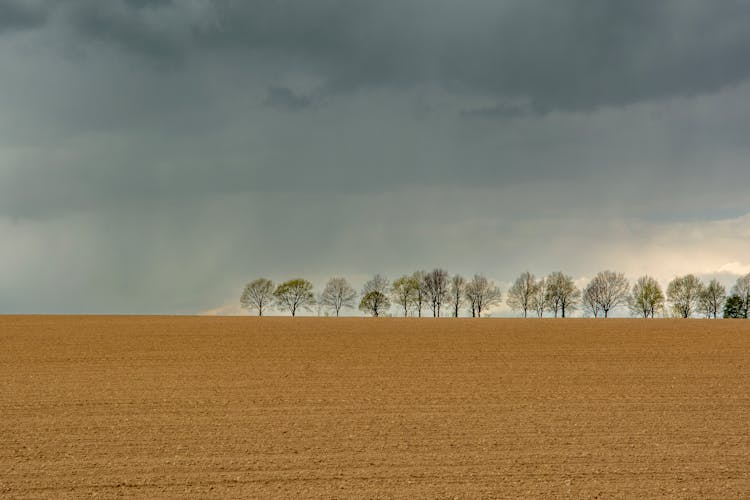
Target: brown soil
(307, 407)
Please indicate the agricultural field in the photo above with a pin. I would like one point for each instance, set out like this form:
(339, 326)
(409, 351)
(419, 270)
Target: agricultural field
(373, 407)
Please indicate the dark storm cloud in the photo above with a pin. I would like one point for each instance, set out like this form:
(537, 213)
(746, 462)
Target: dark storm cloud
(564, 55)
(512, 110)
(130, 100)
(283, 98)
(20, 14)
(130, 25)
(578, 54)
(140, 4)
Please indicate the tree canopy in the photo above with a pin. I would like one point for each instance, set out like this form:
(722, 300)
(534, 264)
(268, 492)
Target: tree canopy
(294, 294)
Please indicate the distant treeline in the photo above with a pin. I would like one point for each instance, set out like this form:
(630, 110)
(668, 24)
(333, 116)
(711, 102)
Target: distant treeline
(436, 293)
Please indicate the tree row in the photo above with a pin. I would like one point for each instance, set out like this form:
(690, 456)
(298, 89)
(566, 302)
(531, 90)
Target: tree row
(439, 294)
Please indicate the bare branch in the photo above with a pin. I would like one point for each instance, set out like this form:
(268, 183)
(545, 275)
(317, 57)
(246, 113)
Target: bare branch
(257, 295)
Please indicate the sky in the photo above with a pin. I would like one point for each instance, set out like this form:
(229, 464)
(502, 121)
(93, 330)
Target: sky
(156, 155)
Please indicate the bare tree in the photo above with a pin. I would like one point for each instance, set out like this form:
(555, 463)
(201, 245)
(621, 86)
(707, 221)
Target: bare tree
(646, 297)
(481, 294)
(562, 294)
(457, 293)
(378, 283)
(404, 292)
(608, 290)
(420, 293)
(741, 289)
(337, 294)
(294, 294)
(590, 299)
(436, 289)
(375, 303)
(521, 293)
(538, 301)
(684, 293)
(257, 295)
(712, 299)
(319, 307)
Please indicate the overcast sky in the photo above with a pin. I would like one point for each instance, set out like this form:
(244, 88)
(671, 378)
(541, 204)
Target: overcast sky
(156, 155)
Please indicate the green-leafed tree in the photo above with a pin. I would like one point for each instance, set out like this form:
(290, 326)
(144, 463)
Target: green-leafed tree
(420, 294)
(375, 293)
(646, 297)
(404, 292)
(684, 292)
(375, 303)
(294, 294)
(733, 307)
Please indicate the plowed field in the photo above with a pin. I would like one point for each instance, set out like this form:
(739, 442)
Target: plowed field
(307, 407)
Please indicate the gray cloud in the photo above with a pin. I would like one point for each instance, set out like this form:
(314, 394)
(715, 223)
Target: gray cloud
(155, 154)
(284, 99)
(19, 15)
(579, 54)
(506, 110)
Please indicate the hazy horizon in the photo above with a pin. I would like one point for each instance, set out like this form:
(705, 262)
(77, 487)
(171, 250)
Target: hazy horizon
(157, 155)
